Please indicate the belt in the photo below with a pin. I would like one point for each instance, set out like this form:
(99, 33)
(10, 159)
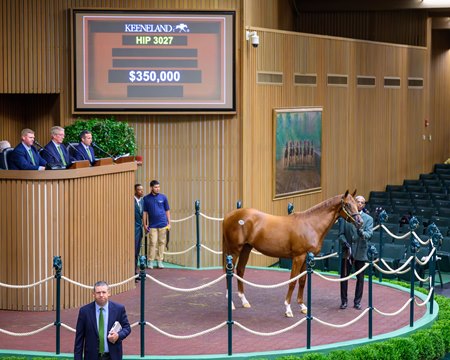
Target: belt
(104, 355)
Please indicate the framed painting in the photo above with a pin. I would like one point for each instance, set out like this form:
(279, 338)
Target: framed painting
(297, 154)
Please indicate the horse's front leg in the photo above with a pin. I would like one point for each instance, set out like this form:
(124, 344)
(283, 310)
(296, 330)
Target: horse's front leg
(296, 265)
(301, 288)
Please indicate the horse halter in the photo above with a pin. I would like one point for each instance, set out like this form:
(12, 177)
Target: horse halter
(348, 215)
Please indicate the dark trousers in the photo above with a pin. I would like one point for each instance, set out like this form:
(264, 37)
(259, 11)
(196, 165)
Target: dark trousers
(346, 267)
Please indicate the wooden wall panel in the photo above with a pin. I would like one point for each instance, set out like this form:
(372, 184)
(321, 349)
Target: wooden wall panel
(370, 135)
(439, 146)
(47, 217)
(269, 14)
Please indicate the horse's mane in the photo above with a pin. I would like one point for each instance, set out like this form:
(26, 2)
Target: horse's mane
(324, 204)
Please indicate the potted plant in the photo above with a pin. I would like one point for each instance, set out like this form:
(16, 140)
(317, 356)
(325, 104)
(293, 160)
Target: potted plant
(114, 137)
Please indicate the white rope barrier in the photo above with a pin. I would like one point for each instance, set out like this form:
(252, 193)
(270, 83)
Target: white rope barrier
(366, 265)
(187, 289)
(179, 252)
(26, 286)
(76, 283)
(281, 331)
(26, 333)
(211, 218)
(396, 312)
(391, 271)
(211, 250)
(426, 259)
(90, 286)
(351, 322)
(122, 282)
(423, 243)
(393, 235)
(326, 256)
(419, 278)
(180, 220)
(430, 293)
(270, 286)
(184, 337)
(68, 327)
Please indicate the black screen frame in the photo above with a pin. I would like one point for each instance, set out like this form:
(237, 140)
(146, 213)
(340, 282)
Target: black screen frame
(228, 67)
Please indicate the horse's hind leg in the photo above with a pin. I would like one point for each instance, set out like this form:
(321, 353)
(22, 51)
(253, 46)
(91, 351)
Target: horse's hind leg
(301, 288)
(240, 270)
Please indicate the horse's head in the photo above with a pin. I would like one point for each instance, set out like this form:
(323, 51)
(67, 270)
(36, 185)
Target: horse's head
(349, 209)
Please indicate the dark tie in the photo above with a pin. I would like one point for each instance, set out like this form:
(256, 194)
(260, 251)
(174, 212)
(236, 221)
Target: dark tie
(101, 332)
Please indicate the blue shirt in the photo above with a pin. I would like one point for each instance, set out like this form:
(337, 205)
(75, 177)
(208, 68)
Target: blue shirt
(156, 206)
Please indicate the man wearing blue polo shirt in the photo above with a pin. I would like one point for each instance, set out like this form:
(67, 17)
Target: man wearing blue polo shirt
(156, 222)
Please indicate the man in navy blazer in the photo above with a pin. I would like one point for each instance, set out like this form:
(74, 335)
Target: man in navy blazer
(55, 152)
(87, 343)
(24, 156)
(84, 149)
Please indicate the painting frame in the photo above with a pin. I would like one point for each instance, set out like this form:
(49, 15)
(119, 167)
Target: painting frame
(297, 151)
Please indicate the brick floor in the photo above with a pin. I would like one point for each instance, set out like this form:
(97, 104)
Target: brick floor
(181, 313)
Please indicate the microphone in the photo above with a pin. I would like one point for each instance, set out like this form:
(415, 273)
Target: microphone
(78, 151)
(58, 165)
(103, 151)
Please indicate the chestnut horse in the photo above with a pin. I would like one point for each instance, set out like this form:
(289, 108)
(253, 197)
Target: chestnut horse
(291, 236)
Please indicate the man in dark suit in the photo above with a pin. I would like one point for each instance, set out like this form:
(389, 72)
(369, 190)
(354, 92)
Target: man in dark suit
(138, 230)
(24, 156)
(84, 149)
(354, 243)
(97, 319)
(55, 152)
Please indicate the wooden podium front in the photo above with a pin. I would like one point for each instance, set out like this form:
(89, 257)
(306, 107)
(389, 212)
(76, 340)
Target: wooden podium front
(84, 215)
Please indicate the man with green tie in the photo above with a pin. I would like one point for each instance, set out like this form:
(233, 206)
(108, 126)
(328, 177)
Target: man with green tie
(25, 156)
(102, 325)
(55, 152)
(84, 150)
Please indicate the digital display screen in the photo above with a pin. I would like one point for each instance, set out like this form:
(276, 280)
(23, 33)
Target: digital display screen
(153, 61)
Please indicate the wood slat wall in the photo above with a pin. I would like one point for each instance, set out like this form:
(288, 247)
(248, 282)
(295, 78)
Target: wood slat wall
(439, 98)
(85, 216)
(371, 137)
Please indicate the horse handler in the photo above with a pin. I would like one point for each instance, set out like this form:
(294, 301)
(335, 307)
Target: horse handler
(354, 243)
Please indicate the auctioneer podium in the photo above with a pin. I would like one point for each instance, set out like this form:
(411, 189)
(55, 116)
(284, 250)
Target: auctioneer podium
(84, 215)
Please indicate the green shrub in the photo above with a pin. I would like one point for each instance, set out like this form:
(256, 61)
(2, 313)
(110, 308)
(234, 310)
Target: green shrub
(314, 356)
(404, 348)
(427, 344)
(340, 355)
(366, 352)
(115, 137)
